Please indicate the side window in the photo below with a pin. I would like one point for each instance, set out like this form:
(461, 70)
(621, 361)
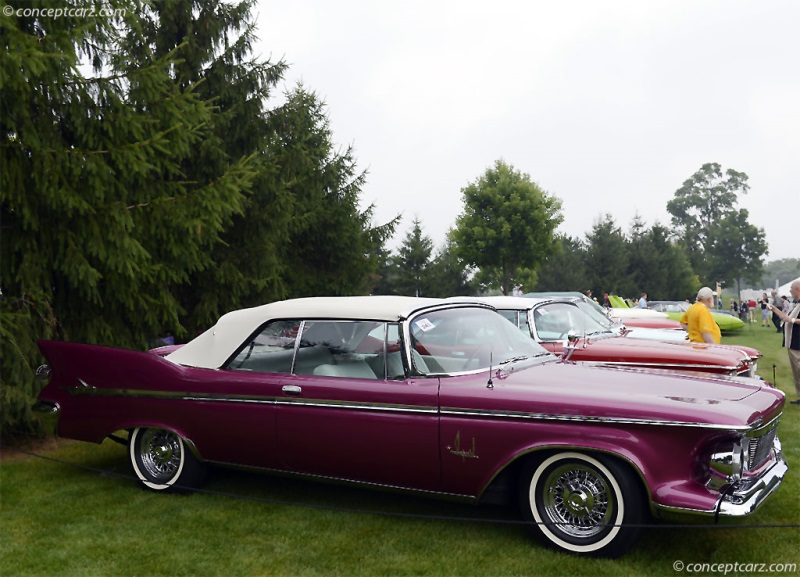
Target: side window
(510, 315)
(352, 349)
(270, 351)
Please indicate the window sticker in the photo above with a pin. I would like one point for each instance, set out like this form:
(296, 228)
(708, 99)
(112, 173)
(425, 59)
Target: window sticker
(424, 325)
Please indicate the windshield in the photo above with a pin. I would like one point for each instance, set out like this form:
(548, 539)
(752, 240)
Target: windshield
(596, 314)
(554, 321)
(467, 339)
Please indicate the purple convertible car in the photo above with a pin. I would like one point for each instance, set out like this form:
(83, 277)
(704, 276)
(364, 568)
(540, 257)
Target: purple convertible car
(446, 399)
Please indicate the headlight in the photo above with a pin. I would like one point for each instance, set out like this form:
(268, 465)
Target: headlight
(726, 466)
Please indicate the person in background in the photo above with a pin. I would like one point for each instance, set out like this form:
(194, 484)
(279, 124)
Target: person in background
(606, 302)
(734, 307)
(791, 335)
(751, 308)
(698, 321)
(777, 302)
(719, 304)
(764, 311)
(744, 310)
(643, 301)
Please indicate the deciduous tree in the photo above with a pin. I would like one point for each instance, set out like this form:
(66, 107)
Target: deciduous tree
(507, 226)
(737, 248)
(698, 206)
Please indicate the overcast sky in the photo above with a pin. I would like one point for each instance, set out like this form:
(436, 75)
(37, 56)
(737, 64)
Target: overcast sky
(608, 105)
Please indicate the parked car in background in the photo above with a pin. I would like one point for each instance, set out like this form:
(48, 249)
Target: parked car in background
(550, 322)
(675, 309)
(615, 326)
(630, 317)
(440, 398)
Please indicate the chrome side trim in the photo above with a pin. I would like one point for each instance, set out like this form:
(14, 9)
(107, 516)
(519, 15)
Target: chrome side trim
(262, 400)
(665, 511)
(450, 411)
(384, 407)
(659, 365)
(419, 409)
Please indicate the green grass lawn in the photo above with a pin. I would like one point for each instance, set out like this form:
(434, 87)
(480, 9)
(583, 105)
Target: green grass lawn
(62, 520)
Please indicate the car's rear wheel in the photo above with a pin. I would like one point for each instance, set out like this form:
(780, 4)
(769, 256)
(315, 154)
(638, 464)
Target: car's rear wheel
(582, 503)
(162, 461)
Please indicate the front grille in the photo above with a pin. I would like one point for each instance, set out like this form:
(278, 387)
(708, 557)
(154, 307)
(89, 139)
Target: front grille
(759, 449)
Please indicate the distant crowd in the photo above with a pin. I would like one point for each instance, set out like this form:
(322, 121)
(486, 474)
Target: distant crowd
(747, 309)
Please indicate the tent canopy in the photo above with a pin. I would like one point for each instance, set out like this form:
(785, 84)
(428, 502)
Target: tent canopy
(783, 290)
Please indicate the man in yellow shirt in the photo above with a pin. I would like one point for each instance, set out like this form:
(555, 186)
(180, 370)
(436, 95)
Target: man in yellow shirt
(698, 320)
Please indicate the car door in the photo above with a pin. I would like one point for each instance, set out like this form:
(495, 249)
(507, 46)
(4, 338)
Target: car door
(347, 411)
(234, 410)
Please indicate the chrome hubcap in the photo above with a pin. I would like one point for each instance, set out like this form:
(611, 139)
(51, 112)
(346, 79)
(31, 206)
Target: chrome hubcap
(161, 454)
(578, 500)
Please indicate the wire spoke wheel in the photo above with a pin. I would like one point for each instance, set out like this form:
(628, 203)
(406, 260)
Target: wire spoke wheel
(582, 503)
(162, 462)
(577, 499)
(161, 454)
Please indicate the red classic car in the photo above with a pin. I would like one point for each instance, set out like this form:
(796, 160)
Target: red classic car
(550, 322)
(436, 397)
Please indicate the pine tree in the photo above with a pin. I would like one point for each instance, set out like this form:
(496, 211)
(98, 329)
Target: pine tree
(333, 247)
(412, 261)
(213, 40)
(100, 224)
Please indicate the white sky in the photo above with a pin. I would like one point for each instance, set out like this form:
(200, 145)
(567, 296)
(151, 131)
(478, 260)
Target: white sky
(608, 104)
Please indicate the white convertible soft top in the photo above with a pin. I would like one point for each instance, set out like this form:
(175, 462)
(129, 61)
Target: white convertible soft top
(211, 349)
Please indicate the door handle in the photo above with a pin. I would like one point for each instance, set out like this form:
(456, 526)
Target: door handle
(291, 389)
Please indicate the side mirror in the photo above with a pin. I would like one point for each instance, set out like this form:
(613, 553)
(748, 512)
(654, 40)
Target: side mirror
(571, 346)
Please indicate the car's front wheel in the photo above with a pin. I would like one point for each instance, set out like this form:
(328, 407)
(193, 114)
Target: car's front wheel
(582, 503)
(162, 461)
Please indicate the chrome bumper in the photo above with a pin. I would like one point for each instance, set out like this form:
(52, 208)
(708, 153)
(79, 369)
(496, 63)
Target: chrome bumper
(747, 497)
(48, 414)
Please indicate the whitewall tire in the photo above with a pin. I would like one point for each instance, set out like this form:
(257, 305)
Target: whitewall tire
(162, 461)
(582, 503)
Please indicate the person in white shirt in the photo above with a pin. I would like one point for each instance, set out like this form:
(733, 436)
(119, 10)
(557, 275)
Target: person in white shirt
(643, 301)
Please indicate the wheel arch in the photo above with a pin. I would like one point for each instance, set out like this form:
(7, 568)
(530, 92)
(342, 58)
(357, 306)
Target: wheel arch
(506, 477)
(130, 427)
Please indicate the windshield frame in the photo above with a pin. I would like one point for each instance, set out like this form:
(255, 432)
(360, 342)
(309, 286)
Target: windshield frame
(529, 349)
(583, 332)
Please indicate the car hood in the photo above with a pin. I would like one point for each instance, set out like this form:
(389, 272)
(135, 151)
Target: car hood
(623, 350)
(668, 324)
(669, 335)
(574, 392)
